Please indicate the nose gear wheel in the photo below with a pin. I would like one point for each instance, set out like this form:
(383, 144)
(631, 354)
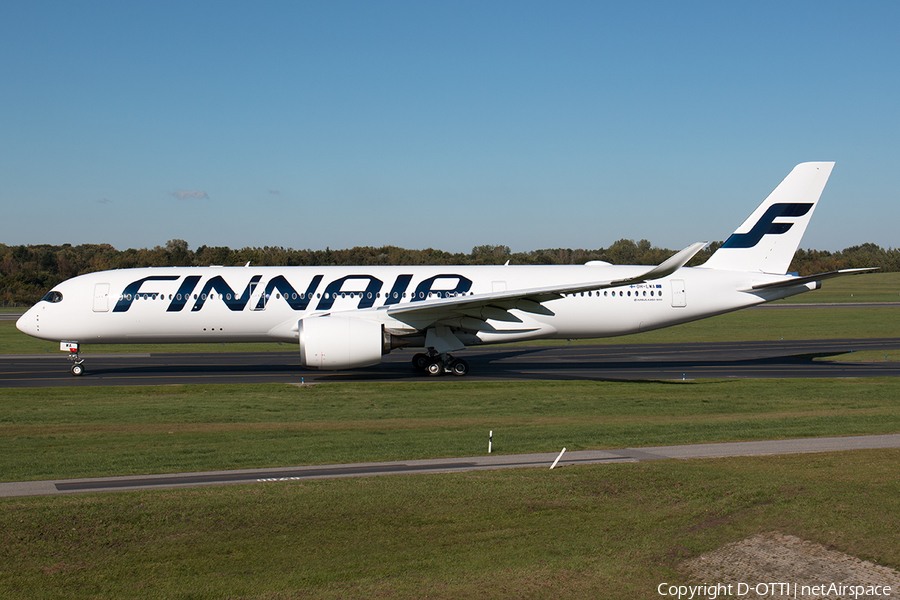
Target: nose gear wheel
(77, 364)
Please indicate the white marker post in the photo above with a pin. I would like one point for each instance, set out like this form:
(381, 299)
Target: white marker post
(490, 440)
(557, 458)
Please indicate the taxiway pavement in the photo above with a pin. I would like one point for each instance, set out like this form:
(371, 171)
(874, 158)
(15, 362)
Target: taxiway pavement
(772, 359)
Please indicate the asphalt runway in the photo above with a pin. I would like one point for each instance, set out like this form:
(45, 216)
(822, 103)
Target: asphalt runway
(587, 362)
(446, 465)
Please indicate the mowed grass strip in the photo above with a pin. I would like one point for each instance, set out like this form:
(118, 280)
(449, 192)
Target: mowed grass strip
(86, 432)
(590, 532)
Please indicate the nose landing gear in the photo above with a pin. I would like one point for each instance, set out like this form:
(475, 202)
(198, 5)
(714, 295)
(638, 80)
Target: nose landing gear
(77, 362)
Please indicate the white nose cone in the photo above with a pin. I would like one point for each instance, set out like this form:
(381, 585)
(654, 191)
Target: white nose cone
(27, 323)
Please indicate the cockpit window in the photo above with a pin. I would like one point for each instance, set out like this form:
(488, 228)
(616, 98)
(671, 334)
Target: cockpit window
(53, 297)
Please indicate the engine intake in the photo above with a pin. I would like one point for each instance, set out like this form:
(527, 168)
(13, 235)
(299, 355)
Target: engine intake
(334, 342)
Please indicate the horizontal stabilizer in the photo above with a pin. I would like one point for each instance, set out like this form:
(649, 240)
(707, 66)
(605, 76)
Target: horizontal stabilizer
(810, 278)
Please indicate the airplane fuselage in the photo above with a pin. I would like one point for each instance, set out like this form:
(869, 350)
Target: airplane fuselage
(264, 304)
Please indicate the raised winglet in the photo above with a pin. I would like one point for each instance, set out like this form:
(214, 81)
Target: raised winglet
(667, 267)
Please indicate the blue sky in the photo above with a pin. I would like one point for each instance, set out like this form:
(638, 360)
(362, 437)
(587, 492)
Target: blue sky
(441, 124)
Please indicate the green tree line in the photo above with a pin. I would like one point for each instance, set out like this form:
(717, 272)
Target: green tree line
(28, 272)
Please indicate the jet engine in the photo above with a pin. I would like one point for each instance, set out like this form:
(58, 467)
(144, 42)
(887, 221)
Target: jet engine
(337, 342)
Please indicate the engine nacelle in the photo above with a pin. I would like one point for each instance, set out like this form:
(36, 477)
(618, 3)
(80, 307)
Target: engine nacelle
(335, 342)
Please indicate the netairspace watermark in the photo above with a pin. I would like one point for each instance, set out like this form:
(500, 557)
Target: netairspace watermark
(773, 590)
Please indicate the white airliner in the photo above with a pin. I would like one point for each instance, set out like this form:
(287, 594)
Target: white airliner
(348, 317)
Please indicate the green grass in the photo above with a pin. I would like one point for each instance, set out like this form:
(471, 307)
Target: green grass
(591, 532)
(81, 432)
(606, 531)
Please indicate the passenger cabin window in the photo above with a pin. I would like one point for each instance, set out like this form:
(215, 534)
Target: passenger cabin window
(53, 297)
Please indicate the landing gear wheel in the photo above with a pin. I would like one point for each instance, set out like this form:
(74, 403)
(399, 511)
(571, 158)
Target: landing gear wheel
(77, 370)
(420, 361)
(459, 367)
(435, 368)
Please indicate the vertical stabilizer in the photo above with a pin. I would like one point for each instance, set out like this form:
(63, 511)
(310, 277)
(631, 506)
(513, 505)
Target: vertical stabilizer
(767, 240)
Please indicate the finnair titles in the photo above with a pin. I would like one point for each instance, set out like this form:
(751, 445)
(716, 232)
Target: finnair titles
(349, 317)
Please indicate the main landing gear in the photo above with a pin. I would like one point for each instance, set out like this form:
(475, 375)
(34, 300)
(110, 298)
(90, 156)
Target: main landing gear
(438, 364)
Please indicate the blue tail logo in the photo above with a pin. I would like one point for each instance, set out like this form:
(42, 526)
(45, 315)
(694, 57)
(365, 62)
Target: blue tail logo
(767, 224)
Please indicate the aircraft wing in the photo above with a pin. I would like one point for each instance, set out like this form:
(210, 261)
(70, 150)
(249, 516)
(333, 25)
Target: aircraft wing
(496, 304)
(810, 278)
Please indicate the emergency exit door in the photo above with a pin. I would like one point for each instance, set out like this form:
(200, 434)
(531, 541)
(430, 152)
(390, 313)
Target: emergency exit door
(679, 296)
(101, 297)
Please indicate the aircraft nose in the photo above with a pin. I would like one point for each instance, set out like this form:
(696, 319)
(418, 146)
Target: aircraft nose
(27, 323)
